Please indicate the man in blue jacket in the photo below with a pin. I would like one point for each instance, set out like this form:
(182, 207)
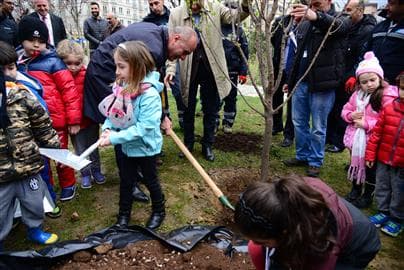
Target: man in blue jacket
(387, 41)
(163, 44)
(8, 26)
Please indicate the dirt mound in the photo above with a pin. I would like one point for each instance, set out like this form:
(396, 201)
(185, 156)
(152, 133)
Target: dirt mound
(239, 142)
(232, 182)
(147, 255)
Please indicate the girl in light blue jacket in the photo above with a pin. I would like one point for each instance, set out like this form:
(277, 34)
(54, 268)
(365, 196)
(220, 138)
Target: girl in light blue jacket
(133, 113)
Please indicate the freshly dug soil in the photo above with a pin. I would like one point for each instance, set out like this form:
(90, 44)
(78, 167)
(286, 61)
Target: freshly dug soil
(239, 142)
(147, 255)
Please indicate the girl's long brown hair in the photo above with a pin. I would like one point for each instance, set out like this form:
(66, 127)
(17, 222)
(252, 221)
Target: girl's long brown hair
(140, 61)
(292, 213)
(376, 97)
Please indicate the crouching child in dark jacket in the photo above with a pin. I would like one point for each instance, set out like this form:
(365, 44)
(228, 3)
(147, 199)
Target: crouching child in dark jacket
(24, 127)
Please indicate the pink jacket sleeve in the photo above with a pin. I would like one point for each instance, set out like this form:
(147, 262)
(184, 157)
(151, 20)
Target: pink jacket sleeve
(348, 108)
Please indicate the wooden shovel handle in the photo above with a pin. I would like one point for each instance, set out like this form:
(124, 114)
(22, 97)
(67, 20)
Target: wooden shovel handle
(195, 163)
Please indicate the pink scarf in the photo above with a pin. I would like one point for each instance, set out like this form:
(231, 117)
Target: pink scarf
(357, 169)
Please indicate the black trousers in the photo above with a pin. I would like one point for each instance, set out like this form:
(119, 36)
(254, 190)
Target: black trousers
(288, 131)
(128, 167)
(202, 76)
(230, 103)
(336, 125)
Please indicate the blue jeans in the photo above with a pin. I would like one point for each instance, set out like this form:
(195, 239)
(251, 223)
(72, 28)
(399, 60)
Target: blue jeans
(310, 143)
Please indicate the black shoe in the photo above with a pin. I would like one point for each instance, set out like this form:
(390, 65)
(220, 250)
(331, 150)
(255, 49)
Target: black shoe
(207, 153)
(155, 220)
(123, 221)
(286, 142)
(313, 171)
(294, 162)
(364, 201)
(190, 148)
(159, 161)
(138, 195)
(333, 149)
(276, 131)
(354, 194)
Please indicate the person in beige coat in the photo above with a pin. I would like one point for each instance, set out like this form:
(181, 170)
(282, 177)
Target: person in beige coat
(206, 67)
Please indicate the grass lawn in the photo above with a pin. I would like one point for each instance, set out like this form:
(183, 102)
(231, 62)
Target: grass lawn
(189, 200)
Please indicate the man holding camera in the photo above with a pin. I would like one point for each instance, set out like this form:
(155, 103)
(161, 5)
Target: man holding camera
(315, 95)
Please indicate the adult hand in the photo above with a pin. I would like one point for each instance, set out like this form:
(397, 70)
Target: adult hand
(350, 85)
(369, 164)
(356, 115)
(285, 88)
(168, 80)
(166, 125)
(242, 79)
(300, 11)
(73, 129)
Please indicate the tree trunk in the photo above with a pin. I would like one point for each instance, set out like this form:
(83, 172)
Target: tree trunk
(267, 143)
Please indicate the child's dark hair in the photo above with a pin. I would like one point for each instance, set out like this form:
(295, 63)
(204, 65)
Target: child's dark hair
(7, 54)
(376, 97)
(291, 212)
(140, 62)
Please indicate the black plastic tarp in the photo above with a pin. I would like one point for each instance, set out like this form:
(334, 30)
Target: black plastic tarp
(182, 239)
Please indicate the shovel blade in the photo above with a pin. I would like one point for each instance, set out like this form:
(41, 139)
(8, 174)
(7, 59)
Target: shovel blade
(65, 157)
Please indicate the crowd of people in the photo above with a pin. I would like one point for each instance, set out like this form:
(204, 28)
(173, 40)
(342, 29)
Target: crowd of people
(352, 97)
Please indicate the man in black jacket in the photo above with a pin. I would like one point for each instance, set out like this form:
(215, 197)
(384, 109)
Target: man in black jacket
(55, 25)
(315, 95)
(359, 33)
(8, 26)
(159, 13)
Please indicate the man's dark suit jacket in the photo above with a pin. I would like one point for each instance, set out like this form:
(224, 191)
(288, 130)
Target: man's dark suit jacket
(58, 27)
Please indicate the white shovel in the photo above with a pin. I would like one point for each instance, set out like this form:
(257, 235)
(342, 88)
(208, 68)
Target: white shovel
(67, 158)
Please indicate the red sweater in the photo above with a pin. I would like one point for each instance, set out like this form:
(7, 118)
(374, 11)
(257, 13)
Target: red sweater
(386, 144)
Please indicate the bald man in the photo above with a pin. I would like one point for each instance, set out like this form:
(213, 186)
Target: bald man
(114, 24)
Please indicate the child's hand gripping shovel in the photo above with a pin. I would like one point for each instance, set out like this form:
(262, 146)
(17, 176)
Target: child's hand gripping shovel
(67, 158)
(223, 199)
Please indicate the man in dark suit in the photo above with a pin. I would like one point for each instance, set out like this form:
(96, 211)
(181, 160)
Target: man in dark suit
(56, 27)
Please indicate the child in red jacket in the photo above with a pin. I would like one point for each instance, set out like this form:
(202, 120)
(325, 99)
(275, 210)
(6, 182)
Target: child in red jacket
(60, 92)
(386, 144)
(73, 55)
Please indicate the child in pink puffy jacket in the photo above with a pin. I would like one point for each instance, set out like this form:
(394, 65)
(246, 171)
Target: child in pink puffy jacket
(361, 113)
